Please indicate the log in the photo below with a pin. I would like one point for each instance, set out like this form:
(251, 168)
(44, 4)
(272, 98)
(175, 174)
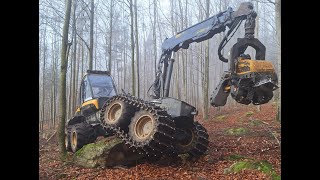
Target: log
(108, 152)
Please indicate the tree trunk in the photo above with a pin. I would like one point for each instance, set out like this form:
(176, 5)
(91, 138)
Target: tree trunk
(257, 36)
(221, 8)
(82, 53)
(124, 61)
(63, 73)
(132, 50)
(91, 35)
(137, 47)
(206, 71)
(278, 33)
(125, 66)
(53, 86)
(183, 61)
(154, 35)
(43, 73)
(40, 52)
(96, 44)
(145, 62)
(186, 57)
(52, 83)
(110, 36)
(77, 77)
(69, 112)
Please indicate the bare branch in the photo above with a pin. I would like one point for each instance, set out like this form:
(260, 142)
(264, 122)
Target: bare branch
(83, 40)
(165, 16)
(85, 8)
(273, 28)
(269, 130)
(125, 3)
(53, 28)
(271, 2)
(58, 12)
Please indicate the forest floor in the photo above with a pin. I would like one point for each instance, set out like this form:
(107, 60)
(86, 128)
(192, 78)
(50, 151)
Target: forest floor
(244, 144)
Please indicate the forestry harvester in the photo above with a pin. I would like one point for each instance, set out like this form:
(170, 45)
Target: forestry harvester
(165, 125)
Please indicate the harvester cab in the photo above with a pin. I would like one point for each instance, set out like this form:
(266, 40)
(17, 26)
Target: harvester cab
(96, 87)
(85, 126)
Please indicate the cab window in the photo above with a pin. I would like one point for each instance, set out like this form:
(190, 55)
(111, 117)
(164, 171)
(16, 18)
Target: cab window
(102, 86)
(86, 90)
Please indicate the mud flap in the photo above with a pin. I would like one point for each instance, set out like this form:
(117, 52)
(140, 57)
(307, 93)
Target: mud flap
(220, 95)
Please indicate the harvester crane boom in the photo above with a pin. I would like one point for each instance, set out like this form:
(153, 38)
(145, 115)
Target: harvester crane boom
(197, 33)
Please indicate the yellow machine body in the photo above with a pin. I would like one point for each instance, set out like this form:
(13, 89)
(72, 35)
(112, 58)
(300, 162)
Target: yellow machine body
(248, 66)
(93, 101)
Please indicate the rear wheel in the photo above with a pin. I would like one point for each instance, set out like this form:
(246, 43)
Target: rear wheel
(185, 137)
(143, 128)
(193, 140)
(80, 135)
(151, 132)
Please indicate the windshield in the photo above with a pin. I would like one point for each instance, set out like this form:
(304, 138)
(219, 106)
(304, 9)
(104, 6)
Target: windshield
(102, 85)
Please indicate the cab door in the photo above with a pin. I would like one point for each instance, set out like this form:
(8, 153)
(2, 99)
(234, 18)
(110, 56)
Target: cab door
(87, 105)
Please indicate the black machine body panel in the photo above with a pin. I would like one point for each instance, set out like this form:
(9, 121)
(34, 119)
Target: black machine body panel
(181, 112)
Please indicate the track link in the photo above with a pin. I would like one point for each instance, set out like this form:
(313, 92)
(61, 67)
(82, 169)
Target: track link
(201, 144)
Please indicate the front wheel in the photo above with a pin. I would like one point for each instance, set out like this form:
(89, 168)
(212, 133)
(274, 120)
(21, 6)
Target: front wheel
(117, 114)
(67, 142)
(80, 135)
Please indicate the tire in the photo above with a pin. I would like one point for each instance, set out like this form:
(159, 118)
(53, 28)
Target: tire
(80, 135)
(67, 140)
(142, 127)
(195, 142)
(118, 115)
(151, 132)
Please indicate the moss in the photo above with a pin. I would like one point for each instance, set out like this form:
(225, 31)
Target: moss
(90, 154)
(237, 157)
(263, 166)
(275, 176)
(79, 152)
(238, 166)
(249, 113)
(220, 117)
(255, 122)
(96, 147)
(236, 131)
